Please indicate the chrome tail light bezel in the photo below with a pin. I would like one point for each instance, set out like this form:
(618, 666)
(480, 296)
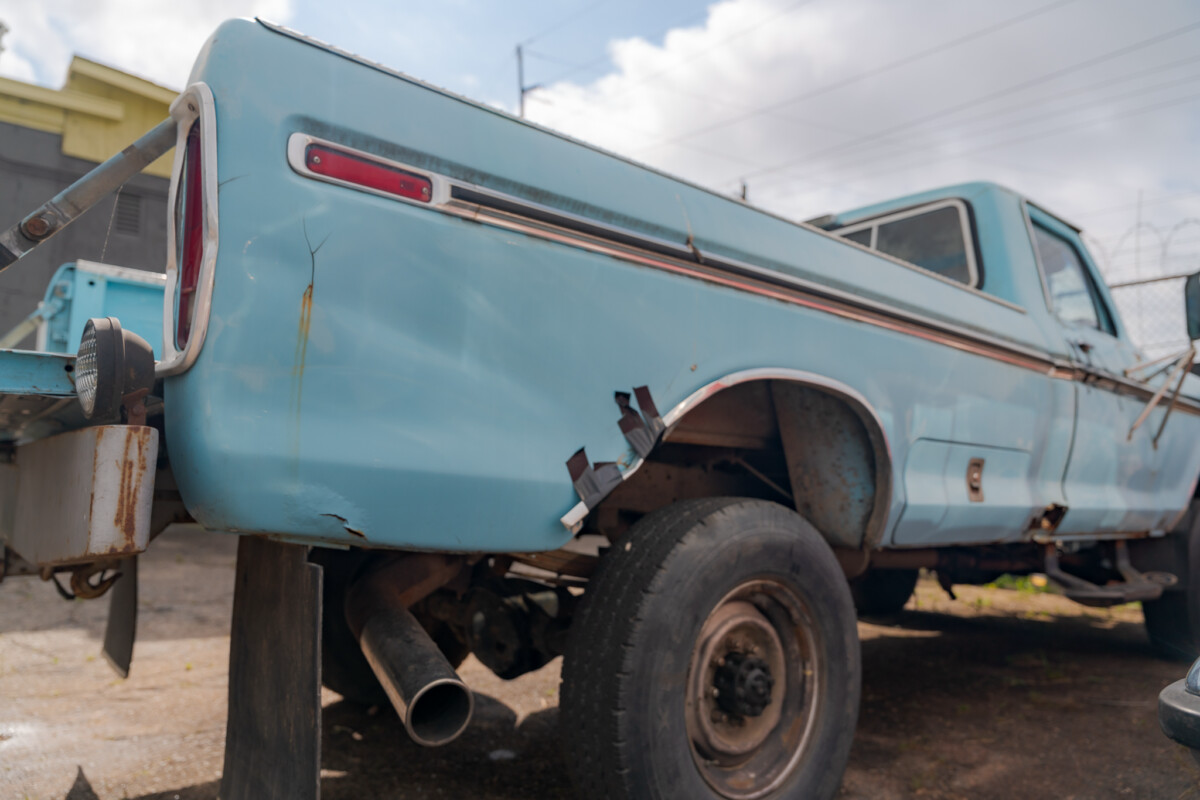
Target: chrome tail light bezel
(195, 104)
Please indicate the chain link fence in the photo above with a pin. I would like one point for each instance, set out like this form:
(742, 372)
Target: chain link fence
(1144, 269)
(1152, 311)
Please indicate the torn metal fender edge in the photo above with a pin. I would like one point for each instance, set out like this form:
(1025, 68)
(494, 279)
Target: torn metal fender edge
(642, 431)
(880, 516)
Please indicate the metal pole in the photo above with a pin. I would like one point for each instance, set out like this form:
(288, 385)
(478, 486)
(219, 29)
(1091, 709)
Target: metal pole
(66, 206)
(521, 79)
(1175, 277)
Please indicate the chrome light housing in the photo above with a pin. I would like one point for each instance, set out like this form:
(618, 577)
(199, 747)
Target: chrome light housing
(111, 365)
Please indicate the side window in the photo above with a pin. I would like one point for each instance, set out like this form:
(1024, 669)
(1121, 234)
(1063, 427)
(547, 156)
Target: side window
(1072, 293)
(936, 238)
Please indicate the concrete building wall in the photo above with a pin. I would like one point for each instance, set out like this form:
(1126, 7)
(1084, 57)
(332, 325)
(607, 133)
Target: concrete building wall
(130, 230)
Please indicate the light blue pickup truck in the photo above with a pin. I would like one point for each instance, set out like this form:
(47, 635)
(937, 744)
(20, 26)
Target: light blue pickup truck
(465, 385)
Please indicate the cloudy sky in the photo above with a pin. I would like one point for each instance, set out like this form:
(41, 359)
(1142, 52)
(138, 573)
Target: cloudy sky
(1087, 106)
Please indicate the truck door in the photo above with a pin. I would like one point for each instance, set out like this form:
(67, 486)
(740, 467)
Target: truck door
(1110, 477)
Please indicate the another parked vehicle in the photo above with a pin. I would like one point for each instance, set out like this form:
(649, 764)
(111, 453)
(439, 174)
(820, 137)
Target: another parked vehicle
(1179, 711)
(465, 385)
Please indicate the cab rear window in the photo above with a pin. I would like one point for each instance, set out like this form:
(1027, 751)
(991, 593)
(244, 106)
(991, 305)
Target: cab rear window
(936, 237)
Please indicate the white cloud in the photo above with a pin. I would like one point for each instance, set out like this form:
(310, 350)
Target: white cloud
(711, 103)
(13, 65)
(151, 38)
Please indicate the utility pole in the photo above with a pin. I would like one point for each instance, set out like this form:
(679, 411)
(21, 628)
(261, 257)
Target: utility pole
(521, 79)
(522, 89)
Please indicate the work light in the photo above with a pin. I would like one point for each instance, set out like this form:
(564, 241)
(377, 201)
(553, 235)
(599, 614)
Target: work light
(111, 364)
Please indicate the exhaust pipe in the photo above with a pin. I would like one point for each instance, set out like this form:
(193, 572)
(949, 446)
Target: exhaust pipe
(432, 701)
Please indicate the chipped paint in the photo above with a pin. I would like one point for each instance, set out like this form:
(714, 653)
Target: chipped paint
(133, 471)
(346, 525)
(85, 495)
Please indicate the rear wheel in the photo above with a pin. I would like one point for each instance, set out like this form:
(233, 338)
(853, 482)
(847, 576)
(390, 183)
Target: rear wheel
(879, 592)
(715, 655)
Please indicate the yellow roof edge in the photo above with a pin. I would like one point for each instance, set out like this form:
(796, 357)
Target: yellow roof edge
(121, 80)
(63, 98)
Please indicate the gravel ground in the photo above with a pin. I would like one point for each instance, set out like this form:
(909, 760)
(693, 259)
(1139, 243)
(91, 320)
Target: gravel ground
(996, 695)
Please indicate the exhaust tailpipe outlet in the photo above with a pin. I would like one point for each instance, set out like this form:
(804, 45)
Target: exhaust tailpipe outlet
(432, 701)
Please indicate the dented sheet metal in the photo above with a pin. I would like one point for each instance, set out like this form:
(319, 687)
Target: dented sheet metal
(85, 495)
(592, 483)
(641, 431)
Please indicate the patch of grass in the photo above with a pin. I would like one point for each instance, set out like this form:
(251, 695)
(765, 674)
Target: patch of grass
(1023, 584)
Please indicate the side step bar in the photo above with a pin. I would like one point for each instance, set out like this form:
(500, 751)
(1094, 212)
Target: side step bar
(1135, 586)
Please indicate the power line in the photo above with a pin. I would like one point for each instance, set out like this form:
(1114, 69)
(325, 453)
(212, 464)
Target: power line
(875, 71)
(1059, 111)
(549, 59)
(1053, 132)
(1096, 212)
(1107, 82)
(522, 89)
(687, 19)
(562, 23)
(987, 115)
(719, 43)
(954, 109)
(1058, 108)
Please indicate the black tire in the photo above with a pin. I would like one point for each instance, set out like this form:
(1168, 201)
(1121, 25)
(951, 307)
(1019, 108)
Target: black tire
(1173, 620)
(344, 668)
(880, 592)
(630, 664)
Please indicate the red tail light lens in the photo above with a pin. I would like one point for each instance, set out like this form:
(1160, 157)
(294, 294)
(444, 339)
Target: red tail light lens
(189, 235)
(366, 173)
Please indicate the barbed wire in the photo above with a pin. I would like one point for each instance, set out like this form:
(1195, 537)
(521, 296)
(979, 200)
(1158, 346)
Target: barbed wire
(1141, 263)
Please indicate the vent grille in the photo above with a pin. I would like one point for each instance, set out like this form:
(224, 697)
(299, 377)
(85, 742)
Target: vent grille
(128, 214)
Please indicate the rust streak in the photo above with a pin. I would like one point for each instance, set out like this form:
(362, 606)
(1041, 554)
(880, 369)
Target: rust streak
(306, 304)
(306, 309)
(133, 469)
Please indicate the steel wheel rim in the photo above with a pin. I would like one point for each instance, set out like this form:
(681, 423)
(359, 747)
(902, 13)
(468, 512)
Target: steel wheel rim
(746, 747)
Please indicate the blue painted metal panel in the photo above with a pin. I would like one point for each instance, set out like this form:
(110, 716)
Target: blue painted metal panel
(444, 371)
(86, 290)
(24, 372)
(939, 510)
(1111, 481)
